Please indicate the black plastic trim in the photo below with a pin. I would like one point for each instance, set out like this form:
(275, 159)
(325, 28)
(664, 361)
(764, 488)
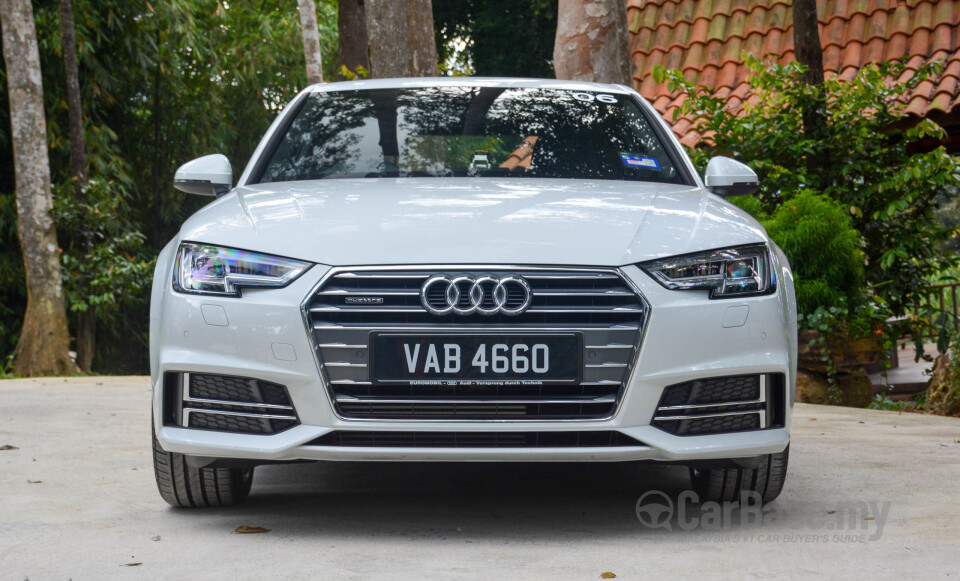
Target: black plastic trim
(271, 147)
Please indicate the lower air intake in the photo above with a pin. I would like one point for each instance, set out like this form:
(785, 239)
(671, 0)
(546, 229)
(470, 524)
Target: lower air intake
(235, 404)
(720, 405)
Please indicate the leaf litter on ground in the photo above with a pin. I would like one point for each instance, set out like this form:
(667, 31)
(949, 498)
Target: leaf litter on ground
(248, 530)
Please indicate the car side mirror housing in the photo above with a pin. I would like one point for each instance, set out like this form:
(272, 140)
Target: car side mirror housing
(210, 175)
(727, 177)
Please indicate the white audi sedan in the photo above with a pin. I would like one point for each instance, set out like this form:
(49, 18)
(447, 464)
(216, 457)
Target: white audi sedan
(482, 270)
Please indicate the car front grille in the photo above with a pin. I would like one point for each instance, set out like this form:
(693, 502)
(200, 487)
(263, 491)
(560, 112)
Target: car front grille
(720, 405)
(599, 303)
(234, 404)
(385, 439)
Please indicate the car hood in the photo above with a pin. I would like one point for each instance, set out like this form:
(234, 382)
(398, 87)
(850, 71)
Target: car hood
(472, 221)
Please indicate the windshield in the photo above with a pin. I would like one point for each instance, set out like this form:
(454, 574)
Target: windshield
(469, 131)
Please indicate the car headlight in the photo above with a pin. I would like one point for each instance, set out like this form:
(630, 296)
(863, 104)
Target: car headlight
(728, 272)
(214, 270)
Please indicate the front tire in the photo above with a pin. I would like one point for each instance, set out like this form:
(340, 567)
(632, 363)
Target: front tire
(184, 486)
(726, 484)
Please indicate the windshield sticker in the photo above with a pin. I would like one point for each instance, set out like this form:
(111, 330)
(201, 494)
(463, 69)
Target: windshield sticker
(601, 97)
(480, 160)
(631, 160)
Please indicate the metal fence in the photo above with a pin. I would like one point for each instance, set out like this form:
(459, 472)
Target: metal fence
(940, 299)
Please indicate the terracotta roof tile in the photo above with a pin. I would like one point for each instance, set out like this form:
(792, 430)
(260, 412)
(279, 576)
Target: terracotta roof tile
(897, 44)
(683, 126)
(953, 68)
(731, 50)
(877, 25)
(900, 20)
(847, 74)
(854, 29)
(709, 76)
(849, 56)
(923, 16)
(740, 92)
(832, 33)
(700, 29)
(943, 37)
(772, 42)
(727, 76)
(944, 94)
(873, 51)
(707, 38)
(831, 58)
(661, 102)
(944, 11)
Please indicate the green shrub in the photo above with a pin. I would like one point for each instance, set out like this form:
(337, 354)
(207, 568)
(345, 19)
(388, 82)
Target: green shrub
(824, 250)
(860, 158)
(13, 282)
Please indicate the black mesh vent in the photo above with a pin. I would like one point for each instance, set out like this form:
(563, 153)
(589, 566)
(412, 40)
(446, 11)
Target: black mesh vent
(242, 424)
(594, 439)
(240, 389)
(719, 405)
(710, 425)
(713, 390)
(235, 404)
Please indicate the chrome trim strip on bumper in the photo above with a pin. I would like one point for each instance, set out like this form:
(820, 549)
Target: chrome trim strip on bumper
(762, 412)
(491, 401)
(186, 411)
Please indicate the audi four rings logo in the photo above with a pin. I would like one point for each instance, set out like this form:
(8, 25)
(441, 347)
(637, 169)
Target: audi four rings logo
(466, 295)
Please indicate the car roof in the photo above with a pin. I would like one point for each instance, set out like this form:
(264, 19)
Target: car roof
(496, 82)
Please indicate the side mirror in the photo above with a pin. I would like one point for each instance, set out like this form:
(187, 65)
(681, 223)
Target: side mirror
(727, 177)
(210, 175)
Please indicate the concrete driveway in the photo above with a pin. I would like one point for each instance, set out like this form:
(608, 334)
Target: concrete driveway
(78, 501)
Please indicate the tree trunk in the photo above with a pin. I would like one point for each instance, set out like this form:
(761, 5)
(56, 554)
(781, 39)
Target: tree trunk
(352, 25)
(86, 338)
(806, 42)
(86, 320)
(402, 41)
(593, 42)
(311, 41)
(68, 42)
(44, 340)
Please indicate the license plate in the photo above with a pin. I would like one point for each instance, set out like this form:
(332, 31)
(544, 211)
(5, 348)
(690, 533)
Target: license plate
(475, 359)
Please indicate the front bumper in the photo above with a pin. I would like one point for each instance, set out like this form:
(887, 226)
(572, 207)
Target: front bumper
(262, 335)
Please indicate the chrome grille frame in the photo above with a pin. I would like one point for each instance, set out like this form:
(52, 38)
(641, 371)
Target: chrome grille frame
(384, 270)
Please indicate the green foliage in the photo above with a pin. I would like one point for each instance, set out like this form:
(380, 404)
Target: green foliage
(862, 159)
(883, 402)
(511, 38)
(949, 217)
(13, 283)
(161, 83)
(824, 250)
(101, 266)
(751, 205)
(360, 73)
